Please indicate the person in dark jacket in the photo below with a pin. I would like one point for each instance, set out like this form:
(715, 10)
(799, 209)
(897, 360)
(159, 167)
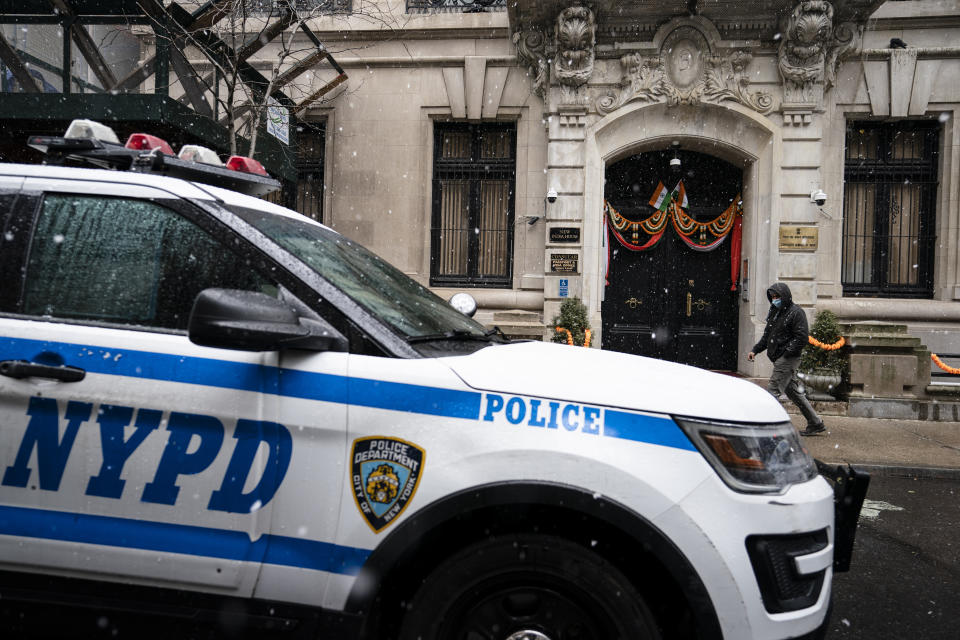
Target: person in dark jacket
(783, 339)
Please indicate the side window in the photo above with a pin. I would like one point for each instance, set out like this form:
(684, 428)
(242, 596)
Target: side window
(474, 173)
(124, 261)
(891, 176)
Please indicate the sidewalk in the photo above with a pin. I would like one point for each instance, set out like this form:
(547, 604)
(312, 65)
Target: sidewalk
(888, 447)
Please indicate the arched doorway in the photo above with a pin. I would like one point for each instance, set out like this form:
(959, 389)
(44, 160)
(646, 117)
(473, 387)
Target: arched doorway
(668, 288)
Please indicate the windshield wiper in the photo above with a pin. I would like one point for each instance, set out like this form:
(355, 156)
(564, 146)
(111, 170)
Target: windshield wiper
(497, 331)
(456, 334)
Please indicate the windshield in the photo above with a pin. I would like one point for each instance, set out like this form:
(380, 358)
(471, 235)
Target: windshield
(400, 302)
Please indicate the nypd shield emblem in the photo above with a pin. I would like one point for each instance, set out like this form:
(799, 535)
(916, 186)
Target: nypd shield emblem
(384, 473)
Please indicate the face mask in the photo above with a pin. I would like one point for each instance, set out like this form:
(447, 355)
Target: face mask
(776, 302)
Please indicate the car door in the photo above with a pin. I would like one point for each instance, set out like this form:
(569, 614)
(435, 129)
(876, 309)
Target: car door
(126, 451)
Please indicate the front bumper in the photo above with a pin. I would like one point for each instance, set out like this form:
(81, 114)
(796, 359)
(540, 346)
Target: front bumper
(801, 530)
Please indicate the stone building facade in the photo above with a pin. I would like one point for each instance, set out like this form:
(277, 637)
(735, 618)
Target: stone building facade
(828, 127)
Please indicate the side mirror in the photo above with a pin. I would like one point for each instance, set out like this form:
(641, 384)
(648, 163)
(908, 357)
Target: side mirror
(464, 303)
(252, 321)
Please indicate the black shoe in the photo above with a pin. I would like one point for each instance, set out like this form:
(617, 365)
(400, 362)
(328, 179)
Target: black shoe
(813, 429)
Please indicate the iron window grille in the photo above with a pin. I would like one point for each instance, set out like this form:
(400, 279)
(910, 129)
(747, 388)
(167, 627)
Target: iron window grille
(306, 194)
(308, 198)
(889, 209)
(471, 234)
(455, 6)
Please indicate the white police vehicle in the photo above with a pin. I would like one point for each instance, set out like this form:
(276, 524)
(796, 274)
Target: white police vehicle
(215, 409)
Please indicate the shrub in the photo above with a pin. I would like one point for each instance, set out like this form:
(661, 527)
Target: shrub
(573, 317)
(825, 329)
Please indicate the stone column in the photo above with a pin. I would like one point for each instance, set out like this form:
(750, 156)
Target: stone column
(573, 61)
(563, 259)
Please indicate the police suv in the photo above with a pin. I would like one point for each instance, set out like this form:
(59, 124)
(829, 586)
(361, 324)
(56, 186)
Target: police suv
(217, 410)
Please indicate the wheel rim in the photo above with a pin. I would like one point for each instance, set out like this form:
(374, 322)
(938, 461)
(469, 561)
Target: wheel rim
(528, 608)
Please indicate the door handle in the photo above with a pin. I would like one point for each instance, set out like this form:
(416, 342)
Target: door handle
(689, 304)
(25, 369)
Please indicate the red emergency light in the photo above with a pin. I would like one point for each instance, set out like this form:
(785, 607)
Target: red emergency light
(246, 165)
(147, 142)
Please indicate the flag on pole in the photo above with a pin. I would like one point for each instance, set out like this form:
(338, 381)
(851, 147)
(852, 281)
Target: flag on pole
(661, 198)
(680, 195)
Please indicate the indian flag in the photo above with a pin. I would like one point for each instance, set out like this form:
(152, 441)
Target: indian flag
(661, 198)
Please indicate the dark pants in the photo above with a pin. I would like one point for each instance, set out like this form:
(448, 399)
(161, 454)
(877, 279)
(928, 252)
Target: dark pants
(784, 379)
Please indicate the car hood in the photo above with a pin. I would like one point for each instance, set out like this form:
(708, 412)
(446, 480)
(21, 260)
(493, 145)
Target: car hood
(608, 378)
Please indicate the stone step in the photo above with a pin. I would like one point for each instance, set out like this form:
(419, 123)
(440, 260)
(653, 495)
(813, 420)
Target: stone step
(518, 324)
(822, 407)
(521, 330)
(943, 389)
(515, 316)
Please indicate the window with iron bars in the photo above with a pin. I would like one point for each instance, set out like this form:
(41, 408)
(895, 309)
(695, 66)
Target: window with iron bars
(889, 209)
(455, 6)
(306, 195)
(471, 235)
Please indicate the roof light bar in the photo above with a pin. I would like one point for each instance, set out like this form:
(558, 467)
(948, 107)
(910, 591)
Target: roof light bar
(92, 143)
(246, 165)
(196, 153)
(147, 142)
(91, 129)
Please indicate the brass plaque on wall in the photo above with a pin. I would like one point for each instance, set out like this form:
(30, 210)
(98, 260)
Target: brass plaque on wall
(563, 262)
(564, 234)
(795, 238)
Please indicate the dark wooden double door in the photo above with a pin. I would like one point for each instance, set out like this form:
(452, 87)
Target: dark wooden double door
(671, 301)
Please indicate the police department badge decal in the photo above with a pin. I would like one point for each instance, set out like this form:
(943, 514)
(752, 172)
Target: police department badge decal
(385, 473)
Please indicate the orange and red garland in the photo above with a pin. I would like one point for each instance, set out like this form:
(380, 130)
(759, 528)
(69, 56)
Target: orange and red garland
(699, 236)
(586, 334)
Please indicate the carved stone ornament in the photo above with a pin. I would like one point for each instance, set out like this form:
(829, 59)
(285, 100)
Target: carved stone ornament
(685, 72)
(811, 49)
(576, 39)
(531, 48)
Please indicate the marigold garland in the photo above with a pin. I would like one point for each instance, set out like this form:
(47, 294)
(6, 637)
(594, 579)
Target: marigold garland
(947, 368)
(693, 233)
(827, 347)
(586, 333)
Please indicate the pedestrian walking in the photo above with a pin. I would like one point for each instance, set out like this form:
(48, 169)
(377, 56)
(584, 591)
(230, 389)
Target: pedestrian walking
(783, 339)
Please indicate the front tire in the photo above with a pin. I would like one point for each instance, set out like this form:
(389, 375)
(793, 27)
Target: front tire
(527, 586)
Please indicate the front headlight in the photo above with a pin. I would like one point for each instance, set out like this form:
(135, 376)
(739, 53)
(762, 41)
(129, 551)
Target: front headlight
(764, 458)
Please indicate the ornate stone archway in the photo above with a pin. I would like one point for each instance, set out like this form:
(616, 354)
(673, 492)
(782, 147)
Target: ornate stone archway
(733, 133)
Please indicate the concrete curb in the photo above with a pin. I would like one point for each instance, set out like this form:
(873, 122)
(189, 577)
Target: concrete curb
(895, 471)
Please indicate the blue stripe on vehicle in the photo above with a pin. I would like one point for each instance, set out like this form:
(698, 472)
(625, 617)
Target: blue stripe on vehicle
(293, 383)
(177, 538)
(243, 376)
(645, 428)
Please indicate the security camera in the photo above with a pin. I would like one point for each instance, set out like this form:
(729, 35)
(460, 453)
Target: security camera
(552, 196)
(818, 197)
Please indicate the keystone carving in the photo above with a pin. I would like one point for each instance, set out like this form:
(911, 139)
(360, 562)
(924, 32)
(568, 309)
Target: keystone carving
(576, 39)
(811, 50)
(686, 72)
